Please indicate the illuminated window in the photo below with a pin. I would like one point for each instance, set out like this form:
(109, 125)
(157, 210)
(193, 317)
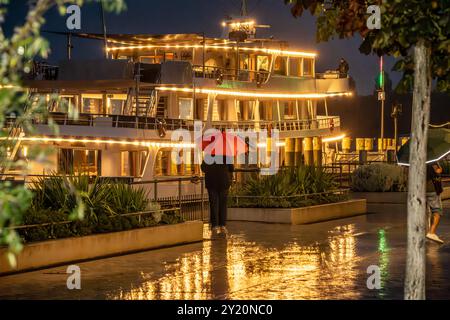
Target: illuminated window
(92, 105)
(164, 166)
(294, 67)
(262, 63)
(116, 106)
(72, 161)
(244, 61)
(280, 66)
(66, 104)
(185, 108)
(289, 110)
(133, 163)
(307, 67)
(265, 110)
(147, 59)
(169, 56)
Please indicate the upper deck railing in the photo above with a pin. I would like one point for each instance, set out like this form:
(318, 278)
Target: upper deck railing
(219, 73)
(43, 71)
(151, 123)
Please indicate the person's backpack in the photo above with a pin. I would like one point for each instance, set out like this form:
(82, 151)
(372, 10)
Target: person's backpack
(437, 182)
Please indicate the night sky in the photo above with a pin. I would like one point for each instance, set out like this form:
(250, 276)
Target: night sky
(196, 16)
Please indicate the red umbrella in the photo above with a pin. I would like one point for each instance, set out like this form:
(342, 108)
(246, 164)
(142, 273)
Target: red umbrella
(223, 143)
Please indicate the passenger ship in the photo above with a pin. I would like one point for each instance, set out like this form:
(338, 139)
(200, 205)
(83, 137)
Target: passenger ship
(129, 103)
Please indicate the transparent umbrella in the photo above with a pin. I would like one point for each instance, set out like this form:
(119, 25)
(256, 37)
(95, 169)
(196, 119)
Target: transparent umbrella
(438, 147)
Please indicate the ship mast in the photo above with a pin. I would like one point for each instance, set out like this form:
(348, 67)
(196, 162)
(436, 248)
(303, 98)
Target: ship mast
(104, 29)
(243, 8)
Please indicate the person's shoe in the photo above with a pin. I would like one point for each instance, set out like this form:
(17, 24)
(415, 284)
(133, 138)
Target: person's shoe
(215, 231)
(434, 237)
(224, 231)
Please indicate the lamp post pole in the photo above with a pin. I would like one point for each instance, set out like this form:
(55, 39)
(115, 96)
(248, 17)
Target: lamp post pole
(396, 112)
(381, 97)
(382, 101)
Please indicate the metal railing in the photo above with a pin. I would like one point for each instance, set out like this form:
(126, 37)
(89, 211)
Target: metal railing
(43, 71)
(152, 123)
(220, 73)
(282, 125)
(192, 206)
(331, 74)
(116, 121)
(20, 178)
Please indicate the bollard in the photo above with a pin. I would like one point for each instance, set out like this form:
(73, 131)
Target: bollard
(346, 144)
(317, 151)
(359, 144)
(368, 144)
(308, 151)
(380, 145)
(289, 151)
(298, 152)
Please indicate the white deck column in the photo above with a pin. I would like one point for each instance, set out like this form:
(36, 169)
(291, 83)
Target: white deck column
(210, 109)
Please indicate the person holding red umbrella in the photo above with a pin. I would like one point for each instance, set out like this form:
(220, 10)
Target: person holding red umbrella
(220, 149)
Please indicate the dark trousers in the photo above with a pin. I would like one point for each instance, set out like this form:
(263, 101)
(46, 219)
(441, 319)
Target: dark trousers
(218, 207)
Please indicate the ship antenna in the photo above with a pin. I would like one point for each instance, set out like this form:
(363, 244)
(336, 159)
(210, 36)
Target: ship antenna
(244, 8)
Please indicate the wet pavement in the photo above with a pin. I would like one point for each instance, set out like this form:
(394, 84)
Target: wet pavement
(326, 260)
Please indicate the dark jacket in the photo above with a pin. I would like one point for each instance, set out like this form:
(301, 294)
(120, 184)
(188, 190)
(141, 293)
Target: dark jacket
(217, 176)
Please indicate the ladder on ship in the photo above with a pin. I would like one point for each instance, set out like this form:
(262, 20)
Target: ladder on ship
(143, 101)
(147, 103)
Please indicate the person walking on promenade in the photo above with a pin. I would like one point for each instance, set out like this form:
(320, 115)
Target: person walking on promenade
(434, 203)
(218, 177)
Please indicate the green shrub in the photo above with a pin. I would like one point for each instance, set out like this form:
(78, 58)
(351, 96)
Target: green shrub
(58, 193)
(105, 202)
(124, 198)
(43, 216)
(286, 189)
(171, 217)
(378, 177)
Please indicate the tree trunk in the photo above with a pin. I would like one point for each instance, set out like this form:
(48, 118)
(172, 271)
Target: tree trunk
(415, 260)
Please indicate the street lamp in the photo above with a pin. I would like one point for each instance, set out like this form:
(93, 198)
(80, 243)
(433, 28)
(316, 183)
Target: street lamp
(395, 113)
(381, 97)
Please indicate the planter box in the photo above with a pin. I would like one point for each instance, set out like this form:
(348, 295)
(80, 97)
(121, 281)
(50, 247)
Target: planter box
(378, 202)
(63, 251)
(389, 201)
(304, 215)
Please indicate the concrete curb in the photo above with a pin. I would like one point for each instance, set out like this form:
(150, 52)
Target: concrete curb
(389, 201)
(304, 215)
(62, 251)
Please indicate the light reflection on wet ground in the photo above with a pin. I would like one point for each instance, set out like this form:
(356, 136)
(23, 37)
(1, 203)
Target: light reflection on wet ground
(258, 261)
